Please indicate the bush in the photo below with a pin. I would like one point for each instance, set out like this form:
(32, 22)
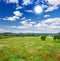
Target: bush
(1, 37)
(4, 37)
(43, 37)
(57, 37)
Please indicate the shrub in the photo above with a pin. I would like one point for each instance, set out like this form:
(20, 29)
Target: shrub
(1, 37)
(43, 37)
(57, 37)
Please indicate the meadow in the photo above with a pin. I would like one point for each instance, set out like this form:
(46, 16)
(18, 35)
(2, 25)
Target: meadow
(29, 48)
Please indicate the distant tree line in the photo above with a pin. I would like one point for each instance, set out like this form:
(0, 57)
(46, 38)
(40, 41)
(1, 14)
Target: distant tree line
(43, 36)
(55, 37)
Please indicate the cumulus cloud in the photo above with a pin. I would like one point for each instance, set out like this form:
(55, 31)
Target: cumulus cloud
(51, 8)
(46, 16)
(51, 23)
(52, 20)
(26, 2)
(13, 18)
(17, 14)
(32, 22)
(54, 2)
(41, 25)
(12, 1)
(26, 24)
(48, 25)
(53, 5)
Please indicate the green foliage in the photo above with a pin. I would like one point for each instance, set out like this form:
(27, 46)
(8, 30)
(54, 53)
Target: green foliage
(4, 37)
(57, 37)
(1, 37)
(43, 37)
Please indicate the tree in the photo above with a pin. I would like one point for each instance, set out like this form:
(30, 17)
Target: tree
(57, 37)
(43, 37)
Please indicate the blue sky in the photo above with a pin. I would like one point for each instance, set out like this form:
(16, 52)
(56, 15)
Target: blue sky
(19, 16)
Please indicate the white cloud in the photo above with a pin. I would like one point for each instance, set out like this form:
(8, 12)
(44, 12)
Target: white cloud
(26, 2)
(13, 18)
(51, 8)
(19, 7)
(51, 23)
(54, 2)
(33, 23)
(45, 16)
(2, 30)
(48, 25)
(54, 27)
(41, 25)
(17, 27)
(12, 1)
(26, 24)
(12, 26)
(52, 20)
(23, 18)
(20, 27)
(17, 14)
(29, 11)
(28, 19)
(44, 6)
(53, 5)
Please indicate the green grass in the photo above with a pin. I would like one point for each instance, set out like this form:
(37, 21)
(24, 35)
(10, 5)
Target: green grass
(29, 49)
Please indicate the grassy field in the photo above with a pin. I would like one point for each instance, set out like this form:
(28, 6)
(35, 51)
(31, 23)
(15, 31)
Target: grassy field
(29, 49)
